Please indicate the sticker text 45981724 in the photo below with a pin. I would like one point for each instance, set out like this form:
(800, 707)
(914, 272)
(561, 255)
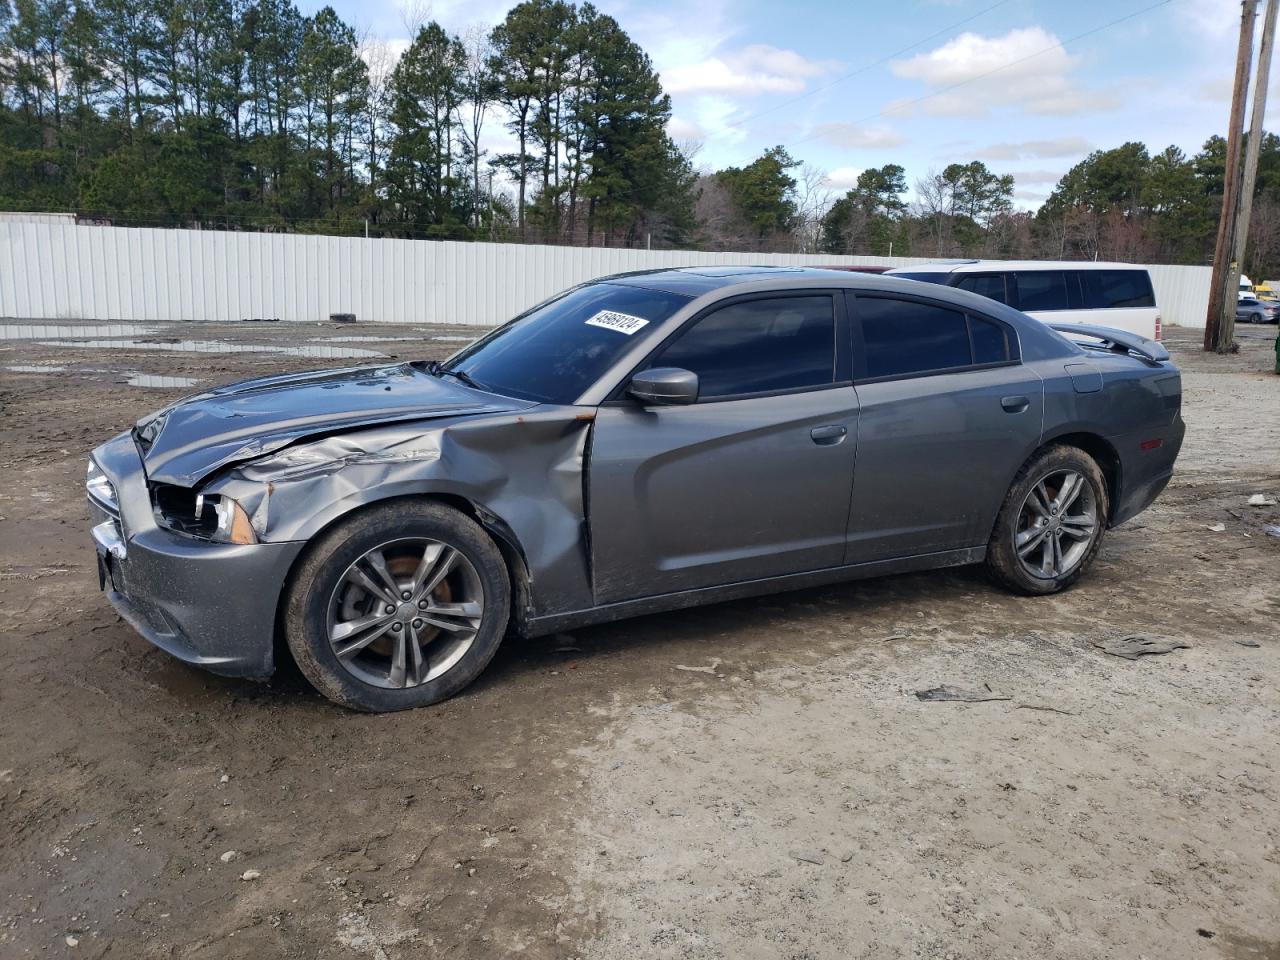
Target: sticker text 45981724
(621, 322)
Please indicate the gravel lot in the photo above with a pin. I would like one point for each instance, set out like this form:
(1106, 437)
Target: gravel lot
(753, 779)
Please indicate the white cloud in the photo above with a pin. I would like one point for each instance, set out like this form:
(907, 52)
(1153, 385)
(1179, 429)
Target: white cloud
(752, 70)
(680, 129)
(855, 136)
(842, 178)
(970, 55)
(1069, 146)
(1027, 68)
(715, 116)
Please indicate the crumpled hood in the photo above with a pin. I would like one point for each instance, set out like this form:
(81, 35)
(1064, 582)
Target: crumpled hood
(188, 440)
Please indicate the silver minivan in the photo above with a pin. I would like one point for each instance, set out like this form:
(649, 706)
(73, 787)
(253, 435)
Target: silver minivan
(1116, 295)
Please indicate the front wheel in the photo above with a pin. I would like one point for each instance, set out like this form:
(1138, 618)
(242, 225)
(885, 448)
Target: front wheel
(1051, 524)
(399, 606)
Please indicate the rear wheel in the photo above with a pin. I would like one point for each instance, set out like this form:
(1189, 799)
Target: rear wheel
(400, 606)
(1051, 524)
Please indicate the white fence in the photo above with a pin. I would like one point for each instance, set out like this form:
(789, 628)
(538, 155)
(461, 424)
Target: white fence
(51, 271)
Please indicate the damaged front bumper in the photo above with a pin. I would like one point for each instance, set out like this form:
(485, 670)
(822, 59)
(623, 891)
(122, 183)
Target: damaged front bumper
(209, 604)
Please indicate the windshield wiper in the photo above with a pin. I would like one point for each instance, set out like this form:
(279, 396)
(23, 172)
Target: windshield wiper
(438, 369)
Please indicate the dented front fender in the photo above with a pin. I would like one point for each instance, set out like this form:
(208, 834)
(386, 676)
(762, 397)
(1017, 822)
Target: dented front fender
(526, 469)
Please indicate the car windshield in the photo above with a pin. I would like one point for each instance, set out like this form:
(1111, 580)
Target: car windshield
(926, 277)
(556, 351)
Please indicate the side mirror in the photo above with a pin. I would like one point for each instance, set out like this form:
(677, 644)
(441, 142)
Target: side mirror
(664, 385)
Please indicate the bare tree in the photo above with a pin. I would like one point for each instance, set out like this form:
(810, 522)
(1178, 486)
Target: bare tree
(813, 200)
(381, 60)
(935, 204)
(1264, 234)
(477, 84)
(414, 14)
(723, 227)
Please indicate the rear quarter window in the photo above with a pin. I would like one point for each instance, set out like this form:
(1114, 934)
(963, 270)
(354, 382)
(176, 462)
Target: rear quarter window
(1116, 289)
(990, 343)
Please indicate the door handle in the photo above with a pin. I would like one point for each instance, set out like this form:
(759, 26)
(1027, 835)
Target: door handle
(1014, 404)
(829, 435)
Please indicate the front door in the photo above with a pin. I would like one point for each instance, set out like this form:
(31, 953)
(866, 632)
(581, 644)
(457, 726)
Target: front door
(750, 482)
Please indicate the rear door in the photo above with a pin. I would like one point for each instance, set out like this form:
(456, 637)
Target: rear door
(947, 415)
(753, 480)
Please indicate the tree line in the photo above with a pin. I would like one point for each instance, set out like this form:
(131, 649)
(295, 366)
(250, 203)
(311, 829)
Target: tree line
(1123, 204)
(246, 114)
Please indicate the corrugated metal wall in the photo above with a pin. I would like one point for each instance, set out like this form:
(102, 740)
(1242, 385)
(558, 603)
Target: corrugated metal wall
(67, 272)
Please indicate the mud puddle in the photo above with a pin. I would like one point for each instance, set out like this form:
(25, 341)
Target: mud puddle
(42, 331)
(312, 350)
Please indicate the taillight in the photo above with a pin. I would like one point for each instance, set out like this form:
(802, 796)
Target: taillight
(1159, 327)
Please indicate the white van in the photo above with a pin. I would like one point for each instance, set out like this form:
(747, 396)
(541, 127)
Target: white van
(1116, 295)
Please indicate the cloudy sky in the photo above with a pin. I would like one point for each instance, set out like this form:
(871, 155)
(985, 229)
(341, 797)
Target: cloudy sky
(1028, 86)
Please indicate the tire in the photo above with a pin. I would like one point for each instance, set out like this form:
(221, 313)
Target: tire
(1020, 555)
(337, 617)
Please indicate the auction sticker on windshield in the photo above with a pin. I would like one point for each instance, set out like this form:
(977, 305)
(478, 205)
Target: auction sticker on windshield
(622, 322)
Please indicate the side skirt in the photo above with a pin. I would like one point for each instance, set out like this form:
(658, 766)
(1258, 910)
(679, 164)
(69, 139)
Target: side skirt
(552, 623)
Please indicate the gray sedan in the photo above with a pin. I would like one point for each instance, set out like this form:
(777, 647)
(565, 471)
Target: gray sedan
(1252, 310)
(639, 443)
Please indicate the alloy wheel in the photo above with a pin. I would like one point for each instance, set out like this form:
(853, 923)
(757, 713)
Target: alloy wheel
(405, 612)
(1057, 524)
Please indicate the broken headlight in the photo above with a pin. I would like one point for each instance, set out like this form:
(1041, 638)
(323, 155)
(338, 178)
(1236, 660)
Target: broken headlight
(209, 516)
(100, 489)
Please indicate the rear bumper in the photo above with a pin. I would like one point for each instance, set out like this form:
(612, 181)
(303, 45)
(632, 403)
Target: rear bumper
(1145, 473)
(209, 604)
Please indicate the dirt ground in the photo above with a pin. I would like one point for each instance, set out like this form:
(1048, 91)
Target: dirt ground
(748, 780)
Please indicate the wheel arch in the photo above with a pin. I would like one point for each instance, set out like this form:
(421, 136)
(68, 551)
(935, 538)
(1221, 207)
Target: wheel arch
(503, 537)
(1101, 450)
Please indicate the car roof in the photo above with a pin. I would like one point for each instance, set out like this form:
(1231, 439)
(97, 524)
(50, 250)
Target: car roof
(700, 280)
(987, 266)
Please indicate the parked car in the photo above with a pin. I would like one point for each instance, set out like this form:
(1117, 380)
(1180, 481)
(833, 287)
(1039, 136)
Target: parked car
(1253, 310)
(643, 442)
(1117, 295)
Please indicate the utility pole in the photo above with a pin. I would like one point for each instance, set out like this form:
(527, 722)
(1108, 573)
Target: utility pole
(491, 205)
(1222, 300)
(1227, 325)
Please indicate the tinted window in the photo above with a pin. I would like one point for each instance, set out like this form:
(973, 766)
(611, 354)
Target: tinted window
(985, 285)
(900, 337)
(553, 353)
(1042, 290)
(757, 346)
(1107, 289)
(989, 342)
(926, 277)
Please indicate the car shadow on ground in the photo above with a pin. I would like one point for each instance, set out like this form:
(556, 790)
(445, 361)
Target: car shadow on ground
(770, 630)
